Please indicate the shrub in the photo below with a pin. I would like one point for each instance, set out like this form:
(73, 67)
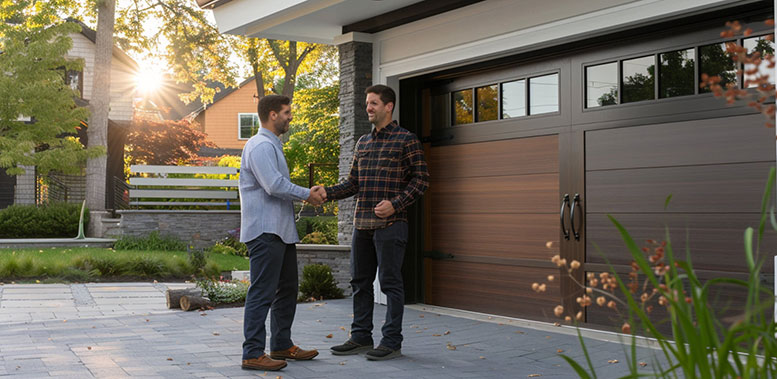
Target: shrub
(224, 291)
(326, 225)
(49, 221)
(151, 242)
(197, 260)
(223, 249)
(318, 282)
(231, 245)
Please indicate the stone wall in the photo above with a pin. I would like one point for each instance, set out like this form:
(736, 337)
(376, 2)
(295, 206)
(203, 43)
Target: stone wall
(25, 186)
(337, 257)
(355, 77)
(200, 229)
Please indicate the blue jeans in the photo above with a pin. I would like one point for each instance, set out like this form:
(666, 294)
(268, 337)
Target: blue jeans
(380, 250)
(274, 287)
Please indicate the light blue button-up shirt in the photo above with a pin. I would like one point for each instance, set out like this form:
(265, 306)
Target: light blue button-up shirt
(266, 191)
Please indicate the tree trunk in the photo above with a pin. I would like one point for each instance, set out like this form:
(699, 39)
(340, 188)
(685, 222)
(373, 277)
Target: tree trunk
(97, 130)
(174, 296)
(193, 302)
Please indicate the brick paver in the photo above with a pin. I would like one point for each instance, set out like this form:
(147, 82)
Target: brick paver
(125, 330)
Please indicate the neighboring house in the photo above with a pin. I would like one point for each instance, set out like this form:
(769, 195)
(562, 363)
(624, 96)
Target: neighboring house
(530, 107)
(230, 120)
(26, 189)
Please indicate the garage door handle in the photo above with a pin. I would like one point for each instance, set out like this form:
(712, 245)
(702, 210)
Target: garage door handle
(564, 204)
(575, 203)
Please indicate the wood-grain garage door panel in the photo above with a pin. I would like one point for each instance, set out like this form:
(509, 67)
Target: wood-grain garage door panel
(716, 240)
(504, 290)
(734, 188)
(536, 193)
(496, 235)
(498, 158)
(701, 142)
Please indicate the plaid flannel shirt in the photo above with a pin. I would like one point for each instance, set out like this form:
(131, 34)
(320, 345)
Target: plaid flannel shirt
(387, 165)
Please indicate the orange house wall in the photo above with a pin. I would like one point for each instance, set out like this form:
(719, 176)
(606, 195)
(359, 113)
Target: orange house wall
(221, 121)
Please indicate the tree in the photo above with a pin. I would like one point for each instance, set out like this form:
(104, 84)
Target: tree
(38, 115)
(314, 135)
(97, 131)
(163, 142)
(199, 54)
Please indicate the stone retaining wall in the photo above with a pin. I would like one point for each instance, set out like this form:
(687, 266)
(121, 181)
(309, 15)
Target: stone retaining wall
(200, 229)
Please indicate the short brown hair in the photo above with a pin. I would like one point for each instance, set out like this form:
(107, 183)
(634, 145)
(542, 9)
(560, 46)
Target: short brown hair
(387, 95)
(271, 103)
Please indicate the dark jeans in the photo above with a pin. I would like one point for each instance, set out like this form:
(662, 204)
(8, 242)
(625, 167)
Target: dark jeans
(380, 250)
(273, 287)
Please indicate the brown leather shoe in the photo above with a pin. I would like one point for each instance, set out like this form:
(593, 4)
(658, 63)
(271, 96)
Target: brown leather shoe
(294, 352)
(263, 363)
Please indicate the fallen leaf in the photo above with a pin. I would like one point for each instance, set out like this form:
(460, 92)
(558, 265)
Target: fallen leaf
(642, 364)
(88, 348)
(169, 359)
(146, 320)
(490, 318)
(436, 335)
(611, 361)
(447, 332)
(203, 314)
(420, 316)
(556, 324)
(342, 363)
(450, 347)
(64, 320)
(216, 333)
(94, 327)
(481, 357)
(318, 320)
(560, 351)
(155, 282)
(547, 337)
(534, 375)
(328, 336)
(520, 332)
(188, 363)
(342, 328)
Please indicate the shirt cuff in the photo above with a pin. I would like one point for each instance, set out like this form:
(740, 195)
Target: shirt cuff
(301, 192)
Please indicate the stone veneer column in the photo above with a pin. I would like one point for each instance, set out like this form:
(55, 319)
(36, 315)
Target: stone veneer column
(355, 77)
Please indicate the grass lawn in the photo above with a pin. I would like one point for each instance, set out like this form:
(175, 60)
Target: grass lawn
(90, 264)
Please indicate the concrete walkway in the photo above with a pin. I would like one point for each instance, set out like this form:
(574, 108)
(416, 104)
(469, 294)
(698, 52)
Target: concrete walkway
(118, 330)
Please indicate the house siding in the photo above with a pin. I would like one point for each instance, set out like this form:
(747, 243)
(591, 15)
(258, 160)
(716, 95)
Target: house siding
(220, 122)
(122, 78)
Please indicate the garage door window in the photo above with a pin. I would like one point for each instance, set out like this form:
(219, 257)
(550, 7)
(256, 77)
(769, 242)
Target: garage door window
(762, 47)
(462, 107)
(601, 85)
(638, 78)
(676, 76)
(543, 94)
(514, 99)
(714, 61)
(488, 103)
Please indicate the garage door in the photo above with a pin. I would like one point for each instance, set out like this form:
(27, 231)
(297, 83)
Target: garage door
(495, 211)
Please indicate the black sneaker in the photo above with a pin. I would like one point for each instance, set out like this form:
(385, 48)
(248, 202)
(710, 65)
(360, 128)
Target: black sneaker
(382, 353)
(349, 348)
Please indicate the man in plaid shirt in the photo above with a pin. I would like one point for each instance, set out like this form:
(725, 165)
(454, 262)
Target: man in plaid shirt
(388, 174)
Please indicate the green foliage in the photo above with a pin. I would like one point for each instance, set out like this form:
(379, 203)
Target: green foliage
(319, 283)
(230, 245)
(34, 40)
(322, 225)
(314, 136)
(153, 241)
(224, 291)
(317, 238)
(702, 343)
(198, 259)
(48, 221)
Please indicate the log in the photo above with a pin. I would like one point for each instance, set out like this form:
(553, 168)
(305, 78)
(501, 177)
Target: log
(174, 296)
(193, 302)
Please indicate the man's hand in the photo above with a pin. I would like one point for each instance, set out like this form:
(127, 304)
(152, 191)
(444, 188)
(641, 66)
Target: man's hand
(384, 209)
(317, 195)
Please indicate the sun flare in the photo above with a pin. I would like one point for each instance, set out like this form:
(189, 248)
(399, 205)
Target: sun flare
(148, 79)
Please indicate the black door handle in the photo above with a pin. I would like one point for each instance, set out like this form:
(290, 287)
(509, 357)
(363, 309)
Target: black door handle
(564, 204)
(575, 203)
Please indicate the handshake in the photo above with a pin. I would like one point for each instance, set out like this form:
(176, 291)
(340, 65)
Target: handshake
(317, 195)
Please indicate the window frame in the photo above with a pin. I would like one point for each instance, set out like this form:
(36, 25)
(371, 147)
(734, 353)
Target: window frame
(240, 126)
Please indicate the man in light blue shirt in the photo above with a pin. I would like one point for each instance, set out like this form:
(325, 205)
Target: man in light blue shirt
(267, 228)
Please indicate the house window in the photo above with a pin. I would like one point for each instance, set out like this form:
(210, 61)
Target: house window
(638, 77)
(601, 85)
(248, 125)
(543, 94)
(75, 80)
(676, 75)
(714, 61)
(763, 47)
(462, 107)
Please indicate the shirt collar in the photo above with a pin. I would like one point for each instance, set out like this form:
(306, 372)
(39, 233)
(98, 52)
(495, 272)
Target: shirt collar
(386, 129)
(267, 133)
